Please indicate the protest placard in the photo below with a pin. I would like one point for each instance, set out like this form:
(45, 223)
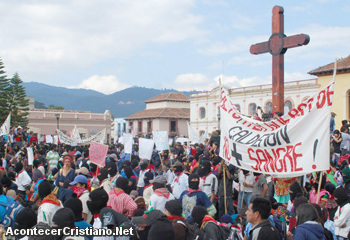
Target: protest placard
(98, 153)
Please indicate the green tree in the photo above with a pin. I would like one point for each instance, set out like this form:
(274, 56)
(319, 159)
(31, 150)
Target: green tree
(4, 93)
(39, 105)
(56, 107)
(19, 104)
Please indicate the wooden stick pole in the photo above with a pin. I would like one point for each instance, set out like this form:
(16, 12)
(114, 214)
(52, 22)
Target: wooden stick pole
(242, 196)
(319, 188)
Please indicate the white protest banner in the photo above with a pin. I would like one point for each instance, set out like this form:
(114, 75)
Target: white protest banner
(98, 153)
(293, 145)
(74, 142)
(121, 140)
(49, 139)
(30, 155)
(161, 140)
(5, 128)
(146, 148)
(192, 134)
(128, 140)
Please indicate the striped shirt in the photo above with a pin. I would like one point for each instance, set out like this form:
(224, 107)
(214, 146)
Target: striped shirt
(53, 158)
(121, 202)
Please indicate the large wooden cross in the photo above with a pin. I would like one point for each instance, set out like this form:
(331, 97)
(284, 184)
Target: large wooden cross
(277, 46)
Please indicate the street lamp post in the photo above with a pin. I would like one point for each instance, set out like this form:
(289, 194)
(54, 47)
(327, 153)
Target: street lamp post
(57, 119)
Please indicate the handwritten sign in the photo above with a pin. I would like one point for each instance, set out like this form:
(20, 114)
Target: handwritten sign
(98, 153)
(292, 145)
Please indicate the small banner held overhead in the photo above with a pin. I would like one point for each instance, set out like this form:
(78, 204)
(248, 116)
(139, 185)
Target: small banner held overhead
(30, 155)
(293, 145)
(161, 140)
(49, 139)
(145, 148)
(98, 153)
(128, 140)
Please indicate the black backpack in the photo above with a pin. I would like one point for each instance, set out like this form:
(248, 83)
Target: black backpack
(192, 231)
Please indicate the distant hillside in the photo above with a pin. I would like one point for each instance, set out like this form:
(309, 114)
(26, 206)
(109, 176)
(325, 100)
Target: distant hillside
(121, 104)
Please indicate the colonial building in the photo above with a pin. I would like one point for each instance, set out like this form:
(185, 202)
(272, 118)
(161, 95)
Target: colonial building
(205, 105)
(119, 126)
(46, 121)
(165, 112)
(341, 98)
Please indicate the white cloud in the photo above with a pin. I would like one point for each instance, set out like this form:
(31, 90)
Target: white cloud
(200, 82)
(104, 84)
(191, 81)
(44, 38)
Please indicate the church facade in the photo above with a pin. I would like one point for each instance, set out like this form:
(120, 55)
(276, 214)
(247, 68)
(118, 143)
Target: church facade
(205, 105)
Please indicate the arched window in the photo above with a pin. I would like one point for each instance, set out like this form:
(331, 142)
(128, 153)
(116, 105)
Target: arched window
(238, 107)
(268, 107)
(202, 112)
(252, 109)
(288, 106)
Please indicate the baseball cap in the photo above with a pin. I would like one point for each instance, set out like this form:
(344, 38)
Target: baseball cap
(148, 218)
(79, 179)
(77, 153)
(159, 179)
(83, 170)
(64, 154)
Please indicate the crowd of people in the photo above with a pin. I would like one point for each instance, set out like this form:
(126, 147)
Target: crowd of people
(186, 192)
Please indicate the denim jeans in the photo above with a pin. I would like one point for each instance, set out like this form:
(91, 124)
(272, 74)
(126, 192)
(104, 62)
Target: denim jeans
(246, 200)
(229, 203)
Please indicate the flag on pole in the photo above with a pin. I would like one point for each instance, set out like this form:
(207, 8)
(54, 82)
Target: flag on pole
(5, 128)
(192, 134)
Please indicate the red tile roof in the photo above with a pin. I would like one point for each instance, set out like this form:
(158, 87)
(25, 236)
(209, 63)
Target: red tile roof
(173, 96)
(161, 113)
(343, 65)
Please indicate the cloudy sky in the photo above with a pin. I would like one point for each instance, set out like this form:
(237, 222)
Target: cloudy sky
(109, 45)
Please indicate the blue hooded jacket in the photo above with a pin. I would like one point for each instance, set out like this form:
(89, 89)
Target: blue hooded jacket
(309, 231)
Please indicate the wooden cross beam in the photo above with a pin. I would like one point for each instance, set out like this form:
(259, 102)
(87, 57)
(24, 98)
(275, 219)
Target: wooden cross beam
(277, 46)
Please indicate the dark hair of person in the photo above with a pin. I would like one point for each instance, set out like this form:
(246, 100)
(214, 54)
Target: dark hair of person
(263, 206)
(306, 212)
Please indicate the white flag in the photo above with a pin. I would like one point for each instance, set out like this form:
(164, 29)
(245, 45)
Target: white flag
(192, 134)
(5, 128)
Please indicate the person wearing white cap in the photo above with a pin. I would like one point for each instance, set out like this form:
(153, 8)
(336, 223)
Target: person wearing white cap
(160, 195)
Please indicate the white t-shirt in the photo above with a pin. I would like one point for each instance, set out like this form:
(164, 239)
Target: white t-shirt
(141, 182)
(179, 184)
(248, 179)
(209, 184)
(158, 202)
(23, 180)
(346, 141)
